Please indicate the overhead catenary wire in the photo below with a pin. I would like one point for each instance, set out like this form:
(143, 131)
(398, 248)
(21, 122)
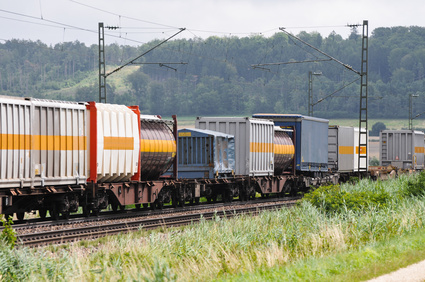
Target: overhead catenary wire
(156, 46)
(321, 52)
(289, 63)
(336, 91)
(61, 25)
(122, 16)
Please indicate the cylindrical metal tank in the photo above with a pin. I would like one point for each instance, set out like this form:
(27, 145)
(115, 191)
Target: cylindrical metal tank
(157, 146)
(283, 151)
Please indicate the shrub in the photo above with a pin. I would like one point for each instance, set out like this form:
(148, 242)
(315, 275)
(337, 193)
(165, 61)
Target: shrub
(415, 186)
(8, 235)
(332, 199)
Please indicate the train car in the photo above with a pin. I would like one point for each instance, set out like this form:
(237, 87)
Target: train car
(311, 140)
(343, 151)
(43, 155)
(58, 156)
(402, 149)
(155, 147)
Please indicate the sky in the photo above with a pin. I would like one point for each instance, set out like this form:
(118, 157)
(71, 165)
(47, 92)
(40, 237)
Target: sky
(57, 21)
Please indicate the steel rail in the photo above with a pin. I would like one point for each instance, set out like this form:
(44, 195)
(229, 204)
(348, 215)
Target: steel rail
(96, 231)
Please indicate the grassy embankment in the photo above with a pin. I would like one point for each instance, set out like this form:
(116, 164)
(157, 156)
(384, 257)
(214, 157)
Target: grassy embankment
(348, 232)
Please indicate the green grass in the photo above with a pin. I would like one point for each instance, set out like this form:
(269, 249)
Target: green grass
(364, 263)
(307, 242)
(118, 80)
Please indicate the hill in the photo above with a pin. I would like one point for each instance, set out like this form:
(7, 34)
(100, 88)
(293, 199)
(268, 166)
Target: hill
(230, 75)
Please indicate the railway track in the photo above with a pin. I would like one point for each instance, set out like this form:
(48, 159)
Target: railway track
(36, 234)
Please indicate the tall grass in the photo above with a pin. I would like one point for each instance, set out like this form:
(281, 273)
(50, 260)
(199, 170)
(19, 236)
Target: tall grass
(226, 247)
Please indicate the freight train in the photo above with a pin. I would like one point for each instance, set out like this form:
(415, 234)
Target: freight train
(58, 157)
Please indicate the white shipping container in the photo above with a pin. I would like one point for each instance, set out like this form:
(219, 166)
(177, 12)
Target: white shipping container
(254, 140)
(343, 149)
(118, 142)
(42, 143)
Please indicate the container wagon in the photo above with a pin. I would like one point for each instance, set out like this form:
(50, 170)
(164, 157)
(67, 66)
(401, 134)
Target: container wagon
(343, 151)
(311, 140)
(403, 149)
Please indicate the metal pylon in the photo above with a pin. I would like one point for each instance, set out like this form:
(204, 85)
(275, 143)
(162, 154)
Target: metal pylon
(102, 71)
(363, 127)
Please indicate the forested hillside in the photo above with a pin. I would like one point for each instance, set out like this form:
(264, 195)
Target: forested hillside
(230, 75)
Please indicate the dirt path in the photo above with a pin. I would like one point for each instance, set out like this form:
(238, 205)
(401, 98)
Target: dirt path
(412, 273)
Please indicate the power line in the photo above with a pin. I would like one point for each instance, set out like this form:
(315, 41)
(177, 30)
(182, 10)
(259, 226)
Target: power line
(321, 52)
(60, 25)
(115, 14)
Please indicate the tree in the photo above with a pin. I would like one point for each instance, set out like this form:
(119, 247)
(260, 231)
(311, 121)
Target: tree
(377, 128)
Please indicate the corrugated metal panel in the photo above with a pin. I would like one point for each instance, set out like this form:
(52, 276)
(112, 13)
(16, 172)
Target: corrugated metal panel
(253, 141)
(42, 143)
(118, 142)
(402, 148)
(347, 144)
(205, 153)
(311, 148)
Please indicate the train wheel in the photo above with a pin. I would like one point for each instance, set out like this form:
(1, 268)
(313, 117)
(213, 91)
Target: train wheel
(42, 213)
(227, 197)
(245, 197)
(196, 201)
(114, 207)
(160, 205)
(20, 216)
(174, 202)
(145, 206)
(7, 215)
(138, 206)
(65, 215)
(86, 211)
(54, 213)
(96, 211)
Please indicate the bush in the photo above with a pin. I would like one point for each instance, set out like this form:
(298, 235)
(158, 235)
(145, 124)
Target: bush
(416, 186)
(8, 235)
(377, 128)
(333, 199)
(374, 161)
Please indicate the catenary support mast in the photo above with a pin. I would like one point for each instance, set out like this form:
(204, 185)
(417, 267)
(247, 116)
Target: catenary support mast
(363, 148)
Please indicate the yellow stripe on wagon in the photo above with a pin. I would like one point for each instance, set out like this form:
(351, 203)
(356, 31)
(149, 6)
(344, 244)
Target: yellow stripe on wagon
(160, 146)
(284, 149)
(346, 150)
(258, 147)
(118, 143)
(419, 150)
(362, 150)
(42, 142)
